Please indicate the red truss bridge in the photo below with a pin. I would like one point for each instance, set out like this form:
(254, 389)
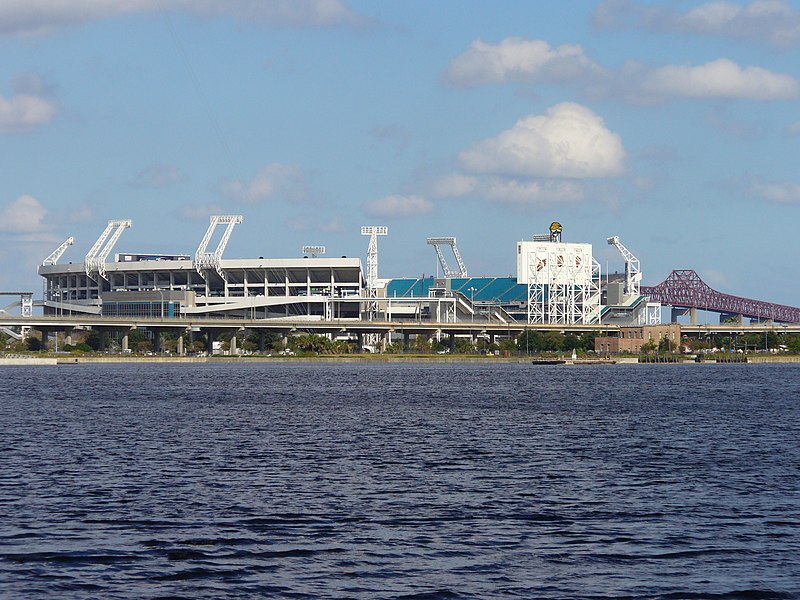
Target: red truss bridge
(684, 289)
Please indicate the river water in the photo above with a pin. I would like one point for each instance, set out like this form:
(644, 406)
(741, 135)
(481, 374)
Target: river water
(400, 481)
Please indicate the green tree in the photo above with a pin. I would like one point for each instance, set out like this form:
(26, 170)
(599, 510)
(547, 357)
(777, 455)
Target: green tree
(137, 337)
(423, 344)
(552, 341)
(573, 342)
(307, 342)
(792, 343)
(649, 347)
(93, 339)
(344, 346)
(169, 341)
(587, 340)
(463, 346)
(508, 346)
(529, 341)
(272, 341)
(248, 346)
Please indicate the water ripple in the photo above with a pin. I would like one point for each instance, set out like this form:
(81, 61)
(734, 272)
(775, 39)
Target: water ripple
(400, 481)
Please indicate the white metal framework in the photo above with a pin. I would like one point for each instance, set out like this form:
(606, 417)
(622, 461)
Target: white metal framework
(58, 252)
(373, 231)
(651, 314)
(436, 242)
(633, 273)
(563, 282)
(204, 260)
(314, 251)
(96, 258)
(26, 310)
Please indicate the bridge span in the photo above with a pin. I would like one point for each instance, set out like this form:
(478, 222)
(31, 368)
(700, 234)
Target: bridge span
(683, 288)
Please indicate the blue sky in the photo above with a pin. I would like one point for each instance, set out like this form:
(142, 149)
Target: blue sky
(674, 125)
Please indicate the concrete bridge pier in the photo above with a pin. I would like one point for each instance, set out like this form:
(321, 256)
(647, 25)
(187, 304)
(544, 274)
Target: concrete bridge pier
(102, 332)
(359, 342)
(682, 312)
(45, 331)
(211, 335)
(50, 336)
(262, 342)
(726, 317)
(158, 341)
(158, 338)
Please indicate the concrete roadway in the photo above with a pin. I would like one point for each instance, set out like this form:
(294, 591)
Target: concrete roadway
(285, 326)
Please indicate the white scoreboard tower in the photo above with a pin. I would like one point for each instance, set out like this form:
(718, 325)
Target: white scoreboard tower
(563, 280)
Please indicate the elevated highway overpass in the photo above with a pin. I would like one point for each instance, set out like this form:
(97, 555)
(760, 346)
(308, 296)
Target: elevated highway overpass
(212, 327)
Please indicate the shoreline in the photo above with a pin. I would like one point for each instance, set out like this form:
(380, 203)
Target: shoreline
(26, 360)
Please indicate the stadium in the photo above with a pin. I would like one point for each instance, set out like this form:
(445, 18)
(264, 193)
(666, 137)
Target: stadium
(556, 283)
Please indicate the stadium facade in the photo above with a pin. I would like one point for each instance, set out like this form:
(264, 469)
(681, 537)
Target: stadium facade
(556, 283)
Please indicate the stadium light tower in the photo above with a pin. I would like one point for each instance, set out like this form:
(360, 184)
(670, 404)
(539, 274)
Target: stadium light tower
(633, 271)
(373, 231)
(314, 251)
(448, 241)
(96, 258)
(213, 260)
(58, 252)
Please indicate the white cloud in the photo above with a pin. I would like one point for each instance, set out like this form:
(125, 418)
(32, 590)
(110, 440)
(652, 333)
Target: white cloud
(522, 60)
(782, 193)
(398, 207)
(772, 21)
(23, 112)
(721, 78)
(569, 141)
(275, 181)
(552, 158)
(454, 185)
(36, 17)
(794, 128)
(25, 215)
(519, 59)
(298, 224)
(293, 13)
(512, 190)
(516, 191)
(334, 225)
(157, 176)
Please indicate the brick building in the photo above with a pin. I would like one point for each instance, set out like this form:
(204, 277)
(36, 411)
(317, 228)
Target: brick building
(631, 339)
